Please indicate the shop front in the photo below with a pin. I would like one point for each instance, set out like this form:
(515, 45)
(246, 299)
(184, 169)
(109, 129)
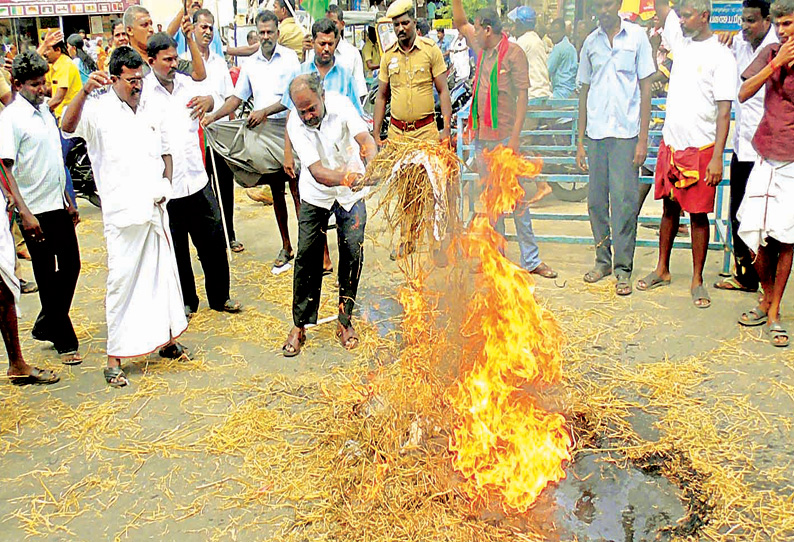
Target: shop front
(25, 22)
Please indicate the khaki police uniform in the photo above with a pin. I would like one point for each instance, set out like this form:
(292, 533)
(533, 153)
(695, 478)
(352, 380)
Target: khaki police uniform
(410, 77)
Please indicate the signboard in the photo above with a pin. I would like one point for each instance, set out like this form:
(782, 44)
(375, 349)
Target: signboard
(54, 8)
(726, 16)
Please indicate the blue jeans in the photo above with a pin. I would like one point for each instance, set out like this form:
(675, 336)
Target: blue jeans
(522, 216)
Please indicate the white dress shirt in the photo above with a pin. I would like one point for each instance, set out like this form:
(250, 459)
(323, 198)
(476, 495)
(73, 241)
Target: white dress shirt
(333, 144)
(749, 113)
(126, 151)
(29, 136)
(218, 83)
(189, 175)
(267, 80)
(537, 59)
(347, 56)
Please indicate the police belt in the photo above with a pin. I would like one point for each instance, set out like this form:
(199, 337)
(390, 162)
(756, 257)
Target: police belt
(414, 125)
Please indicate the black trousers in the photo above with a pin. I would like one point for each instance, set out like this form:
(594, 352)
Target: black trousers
(746, 274)
(226, 184)
(199, 217)
(56, 266)
(308, 274)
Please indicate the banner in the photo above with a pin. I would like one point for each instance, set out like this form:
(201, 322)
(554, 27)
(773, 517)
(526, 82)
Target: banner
(726, 16)
(55, 8)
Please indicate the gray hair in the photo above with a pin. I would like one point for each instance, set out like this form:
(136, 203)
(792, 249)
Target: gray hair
(312, 81)
(131, 13)
(781, 8)
(699, 6)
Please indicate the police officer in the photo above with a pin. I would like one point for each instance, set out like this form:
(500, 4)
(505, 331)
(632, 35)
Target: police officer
(408, 71)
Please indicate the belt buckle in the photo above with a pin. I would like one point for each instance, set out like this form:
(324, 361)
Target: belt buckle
(410, 126)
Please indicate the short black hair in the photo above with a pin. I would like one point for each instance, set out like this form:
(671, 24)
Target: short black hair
(286, 4)
(159, 42)
(423, 27)
(203, 12)
(558, 22)
(28, 66)
(252, 35)
(761, 5)
(489, 17)
(117, 22)
(266, 16)
(124, 57)
(336, 10)
(324, 26)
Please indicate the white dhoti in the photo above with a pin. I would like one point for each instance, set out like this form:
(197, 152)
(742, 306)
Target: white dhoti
(8, 254)
(144, 303)
(767, 209)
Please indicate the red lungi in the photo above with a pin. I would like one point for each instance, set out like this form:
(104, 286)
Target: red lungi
(680, 176)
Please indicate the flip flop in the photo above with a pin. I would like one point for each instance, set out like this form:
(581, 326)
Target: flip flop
(775, 332)
(346, 342)
(594, 275)
(651, 282)
(70, 358)
(236, 246)
(36, 376)
(283, 258)
(701, 294)
(232, 307)
(733, 285)
(623, 287)
(753, 317)
(544, 271)
(115, 373)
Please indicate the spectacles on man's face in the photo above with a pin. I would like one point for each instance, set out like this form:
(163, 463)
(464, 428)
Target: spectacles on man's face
(133, 81)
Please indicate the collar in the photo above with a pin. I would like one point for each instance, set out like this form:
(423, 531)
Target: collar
(288, 20)
(623, 29)
(563, 40)
(121, 104)
(261, 57)
(28, 108)
(313, 66)
(418, 44)
(158, 86)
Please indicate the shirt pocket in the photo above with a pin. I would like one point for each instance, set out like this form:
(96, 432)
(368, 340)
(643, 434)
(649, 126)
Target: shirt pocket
(625, 61)
(421, 75)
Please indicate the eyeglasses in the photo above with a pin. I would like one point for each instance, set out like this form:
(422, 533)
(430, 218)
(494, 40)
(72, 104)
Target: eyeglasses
(133, 81)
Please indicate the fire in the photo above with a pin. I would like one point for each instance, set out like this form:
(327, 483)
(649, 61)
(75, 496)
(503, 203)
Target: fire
(504, 443)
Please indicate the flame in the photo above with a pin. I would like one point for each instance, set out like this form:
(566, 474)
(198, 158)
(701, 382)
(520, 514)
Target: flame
(504, 443)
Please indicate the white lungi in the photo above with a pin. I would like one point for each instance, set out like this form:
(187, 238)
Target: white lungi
(767, 209)
(8, 254)
(144, 304)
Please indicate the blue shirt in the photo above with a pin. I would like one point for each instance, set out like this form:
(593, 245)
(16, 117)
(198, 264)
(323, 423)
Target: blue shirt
(215, 45)
(563, 66)
(613, 73)
(338, 79)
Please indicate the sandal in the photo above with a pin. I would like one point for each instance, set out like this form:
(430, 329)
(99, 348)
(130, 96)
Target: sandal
(236, 246)
(733, 285)
(173, 351)
(327, 272)
(349, 343)
(544, 271)
(778, 336)
(594, 275)
(36, 376)
(115, 377)
(232, 307)
(71, 358)
(283, 258)
(291, 348)
(753, 317)
(651, 282)
(700, 297)
(623, 287)
(27, 286)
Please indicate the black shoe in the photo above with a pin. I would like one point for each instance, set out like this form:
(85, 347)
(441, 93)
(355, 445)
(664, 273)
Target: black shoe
(28, 286)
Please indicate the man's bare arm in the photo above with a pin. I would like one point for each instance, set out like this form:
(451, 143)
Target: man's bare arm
(243, 50)
(229, 106)
(462, 24)
(446, 103)
(380, 109)
(57, 98)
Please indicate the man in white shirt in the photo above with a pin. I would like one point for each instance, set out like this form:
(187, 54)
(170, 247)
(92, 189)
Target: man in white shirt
(524, 18)
(689, 166)
(265, 77)
(218, 84)
(332, 143)
(756, 34)
(193, 210)
(132, 166)
(30, 148)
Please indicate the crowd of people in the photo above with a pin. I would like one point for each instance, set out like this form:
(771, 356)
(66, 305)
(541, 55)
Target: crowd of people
(144, 110)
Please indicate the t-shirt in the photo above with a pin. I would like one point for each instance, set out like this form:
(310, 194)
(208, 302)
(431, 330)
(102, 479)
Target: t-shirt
(704, 73)
(775, 134)
(64, 74)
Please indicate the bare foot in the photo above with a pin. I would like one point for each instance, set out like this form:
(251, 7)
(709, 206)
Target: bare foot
(544, 189)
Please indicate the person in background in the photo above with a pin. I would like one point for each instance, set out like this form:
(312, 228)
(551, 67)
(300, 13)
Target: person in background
(290, 34)
(422, 28)
(370, 54)
(431, 10)
(541, 30)
(614, 113)
(581, 33)
(159, 27)
(562, 63)
(765, 217)
(177, 31)
(102, 54)
(119, 36)
(12, 52)
(443, 42)
(756, 34)
(85, 64)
